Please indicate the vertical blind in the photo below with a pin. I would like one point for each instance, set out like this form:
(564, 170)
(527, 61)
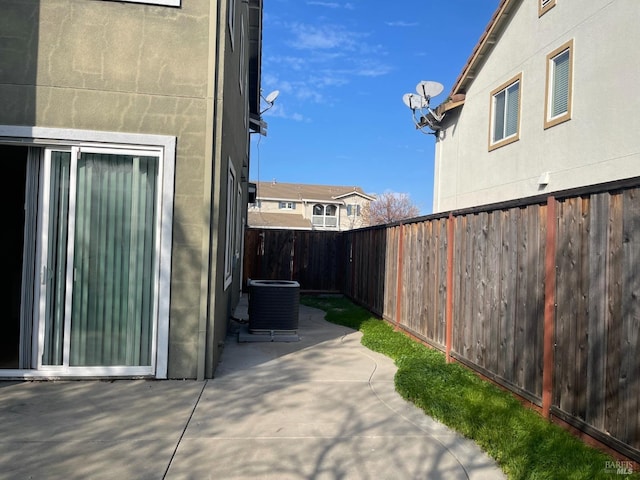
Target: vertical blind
(499, 102)
(29, 275)
(505, 112)
(513, 100)
(55, 270)
(560, 90)
(112, 310)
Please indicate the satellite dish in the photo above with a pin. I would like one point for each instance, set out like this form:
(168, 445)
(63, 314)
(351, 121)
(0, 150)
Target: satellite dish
(423, 115)
(272, 96)
(414, 101)
(270, 99)
(429, 89)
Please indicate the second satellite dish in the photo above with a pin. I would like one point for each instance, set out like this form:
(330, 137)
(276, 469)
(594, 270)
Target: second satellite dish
(429, 89)
(427, 117)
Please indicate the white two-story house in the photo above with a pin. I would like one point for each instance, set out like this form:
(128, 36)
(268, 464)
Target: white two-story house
(547, 101)
(308, 207)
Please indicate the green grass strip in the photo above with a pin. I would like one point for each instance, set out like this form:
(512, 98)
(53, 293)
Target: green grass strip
(525, 445)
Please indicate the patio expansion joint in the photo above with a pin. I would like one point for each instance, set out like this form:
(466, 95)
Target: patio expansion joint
(184, 429)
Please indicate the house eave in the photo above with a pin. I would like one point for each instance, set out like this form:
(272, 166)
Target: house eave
(486, 43)
(255, 60)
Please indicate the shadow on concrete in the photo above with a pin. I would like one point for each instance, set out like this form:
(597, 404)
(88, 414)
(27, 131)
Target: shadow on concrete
(321, 408)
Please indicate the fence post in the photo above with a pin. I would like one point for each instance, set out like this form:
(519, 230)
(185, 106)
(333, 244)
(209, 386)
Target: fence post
(549, 307)
(449, 306)
(399, 274)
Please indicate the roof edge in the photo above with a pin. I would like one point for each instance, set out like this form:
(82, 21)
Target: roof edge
(355, 192)
(485, 45)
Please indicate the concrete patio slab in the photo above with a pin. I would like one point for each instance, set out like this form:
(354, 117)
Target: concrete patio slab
(324, 407)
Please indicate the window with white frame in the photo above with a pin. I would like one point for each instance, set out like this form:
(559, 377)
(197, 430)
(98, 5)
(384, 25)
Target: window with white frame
(559, 85)
(353, 210)
(240, 222)
(544, 6)
(231, 20)
(232, 212)
(325, 216)
(505, 113)
(287, 205)
(242, 70)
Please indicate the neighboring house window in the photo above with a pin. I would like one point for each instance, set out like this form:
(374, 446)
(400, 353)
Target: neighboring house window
(230, 226)
(559, 85)
(231, 20)
(505, 113)
(325, 216)
(287, 206)
(544, 6)
(353, 210)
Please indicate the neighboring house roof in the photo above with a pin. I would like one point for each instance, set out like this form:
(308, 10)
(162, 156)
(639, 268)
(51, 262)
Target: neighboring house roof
(300, 192)
(277, 220)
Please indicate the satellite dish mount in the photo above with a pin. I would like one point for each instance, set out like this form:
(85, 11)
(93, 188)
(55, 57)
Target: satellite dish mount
(423, 115)
(258, 123)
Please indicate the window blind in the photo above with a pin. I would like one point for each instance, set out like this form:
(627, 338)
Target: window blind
(560, 92)
(505, 112)
(499, 114)
(513, 99)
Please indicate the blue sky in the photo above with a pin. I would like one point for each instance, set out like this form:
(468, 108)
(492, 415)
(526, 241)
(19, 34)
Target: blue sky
(342, 68)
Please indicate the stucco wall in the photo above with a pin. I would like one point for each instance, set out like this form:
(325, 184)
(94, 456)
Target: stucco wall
(600, 142)
(233, 149)
(354, 221)
(126, 67)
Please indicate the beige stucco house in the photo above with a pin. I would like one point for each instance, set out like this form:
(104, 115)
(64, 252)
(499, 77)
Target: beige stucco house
(125, 129)
(308, 207)
(547, 101)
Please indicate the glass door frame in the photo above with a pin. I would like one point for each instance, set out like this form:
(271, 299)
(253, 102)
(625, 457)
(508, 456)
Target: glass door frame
(161, 146)
(43, 226)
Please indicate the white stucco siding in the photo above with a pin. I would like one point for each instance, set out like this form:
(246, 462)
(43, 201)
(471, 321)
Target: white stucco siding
(600, 143)
(355, 220)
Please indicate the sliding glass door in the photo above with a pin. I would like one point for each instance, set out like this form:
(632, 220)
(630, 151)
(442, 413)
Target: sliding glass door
(99, 257)
(54, 270)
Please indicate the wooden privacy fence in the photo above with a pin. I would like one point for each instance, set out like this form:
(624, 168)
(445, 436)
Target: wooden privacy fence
(542, 297)
(309, 257)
